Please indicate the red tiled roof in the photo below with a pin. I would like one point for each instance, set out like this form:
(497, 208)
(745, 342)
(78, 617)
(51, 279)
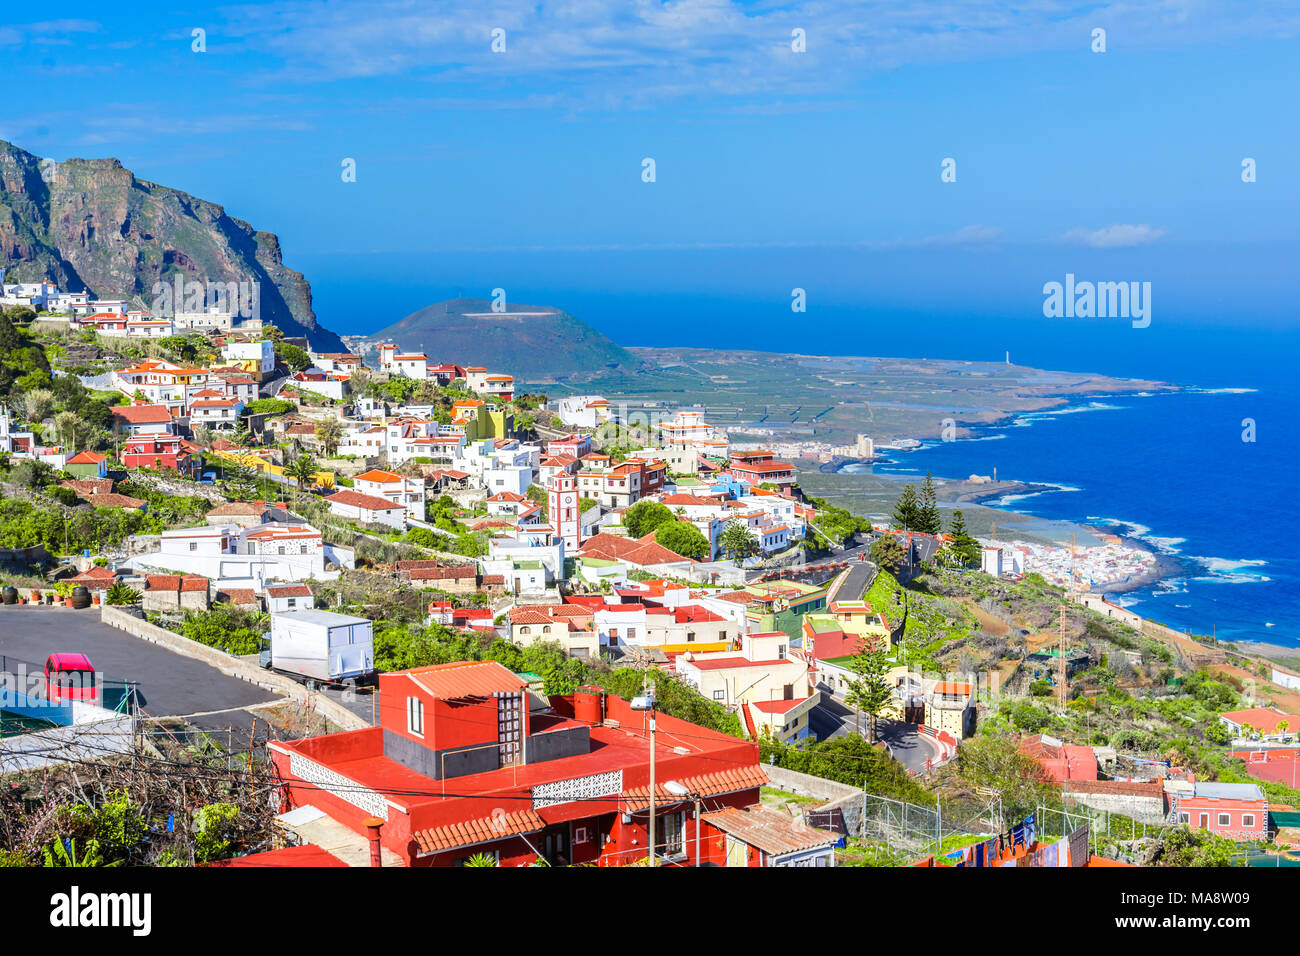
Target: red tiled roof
(462, 679)
(707, 785)
(142, 414)
(176, 582)
(482, 830)
(376, 475)
(1263, 719)
(238, 596)
(633, 550)
(355, 499)
(95, 575)
(444, 574)
(288, 590)
(86, 458)
(84, 487)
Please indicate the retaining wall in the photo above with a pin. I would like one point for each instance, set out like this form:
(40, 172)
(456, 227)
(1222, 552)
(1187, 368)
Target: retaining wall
(232, 666)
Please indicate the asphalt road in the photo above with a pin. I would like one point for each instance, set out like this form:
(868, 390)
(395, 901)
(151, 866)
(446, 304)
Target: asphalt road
(855, 583)
(833, 718)
(169, 685)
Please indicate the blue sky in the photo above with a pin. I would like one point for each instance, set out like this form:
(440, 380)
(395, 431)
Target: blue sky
(774, 169)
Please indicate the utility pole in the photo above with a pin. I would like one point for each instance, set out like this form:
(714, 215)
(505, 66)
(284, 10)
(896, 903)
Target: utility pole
(646, 702)
(1060, 683)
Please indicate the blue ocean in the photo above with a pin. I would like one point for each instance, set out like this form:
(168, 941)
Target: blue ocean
(1171, 470)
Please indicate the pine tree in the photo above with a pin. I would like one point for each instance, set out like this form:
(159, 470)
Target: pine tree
(928, 519)
(906, 510)
(964, 546)
(871, 691)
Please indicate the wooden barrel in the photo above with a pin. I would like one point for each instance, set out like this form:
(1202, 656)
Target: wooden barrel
(81, 596)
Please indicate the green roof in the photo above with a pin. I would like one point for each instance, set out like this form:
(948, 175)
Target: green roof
(821, 622)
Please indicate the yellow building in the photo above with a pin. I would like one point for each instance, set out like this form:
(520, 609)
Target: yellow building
(861, 619)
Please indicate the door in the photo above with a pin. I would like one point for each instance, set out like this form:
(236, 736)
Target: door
(737, 854)
(555, 845)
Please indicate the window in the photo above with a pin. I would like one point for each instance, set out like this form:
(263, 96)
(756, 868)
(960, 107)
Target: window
(690, 637)
(1248, 821)
(1225, 819)
(523, 629)
(669, 841)
(613, 632)
(780, 650)
(293, 602)
(415, 716)
(719, 695)
(631, 633)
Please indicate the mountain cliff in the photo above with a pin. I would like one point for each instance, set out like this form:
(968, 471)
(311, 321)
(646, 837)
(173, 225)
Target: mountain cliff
(536, 344)
(90, 225)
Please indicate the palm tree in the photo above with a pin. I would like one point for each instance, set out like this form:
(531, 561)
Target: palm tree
(302, 469)
(66, 424)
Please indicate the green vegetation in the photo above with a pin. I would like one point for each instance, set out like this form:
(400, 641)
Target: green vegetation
(233, 630)
(269, 406)
(645, 517)
(834, 525)
(737, 541)
(683, 538)
(851, 760)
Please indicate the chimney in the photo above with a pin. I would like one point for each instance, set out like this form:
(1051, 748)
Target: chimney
(373, 824)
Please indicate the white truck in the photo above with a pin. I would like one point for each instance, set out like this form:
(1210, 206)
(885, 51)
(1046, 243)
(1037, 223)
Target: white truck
(320, 646)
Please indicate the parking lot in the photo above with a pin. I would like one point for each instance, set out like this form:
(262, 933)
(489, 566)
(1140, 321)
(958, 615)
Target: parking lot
(169, 685)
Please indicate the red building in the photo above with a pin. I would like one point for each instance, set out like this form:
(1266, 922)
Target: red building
(161, 452)
(1238, 811)
(459, 765)
(761, 467)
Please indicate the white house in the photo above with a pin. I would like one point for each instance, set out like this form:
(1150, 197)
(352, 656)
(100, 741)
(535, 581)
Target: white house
(253, 356)
(332, 385)
(219, 413)
(288, 597)
(367, 509)
(408, 492)
(254, 556)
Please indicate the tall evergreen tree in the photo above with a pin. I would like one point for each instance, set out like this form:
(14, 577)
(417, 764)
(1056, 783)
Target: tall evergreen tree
(964, 546)
(871, 691)
(928, 519)
(907, 511)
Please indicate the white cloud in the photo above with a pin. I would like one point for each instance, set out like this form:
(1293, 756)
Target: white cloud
(611, 53)
(1114, 237)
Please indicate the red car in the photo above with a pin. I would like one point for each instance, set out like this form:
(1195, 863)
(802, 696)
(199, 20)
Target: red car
(70, 677)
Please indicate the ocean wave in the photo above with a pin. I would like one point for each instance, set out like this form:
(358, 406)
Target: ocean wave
(1134, 529)
(1232, 571)
(1222, 391)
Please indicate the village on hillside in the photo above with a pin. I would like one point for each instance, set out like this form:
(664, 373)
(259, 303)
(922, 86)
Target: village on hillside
(626, 641)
